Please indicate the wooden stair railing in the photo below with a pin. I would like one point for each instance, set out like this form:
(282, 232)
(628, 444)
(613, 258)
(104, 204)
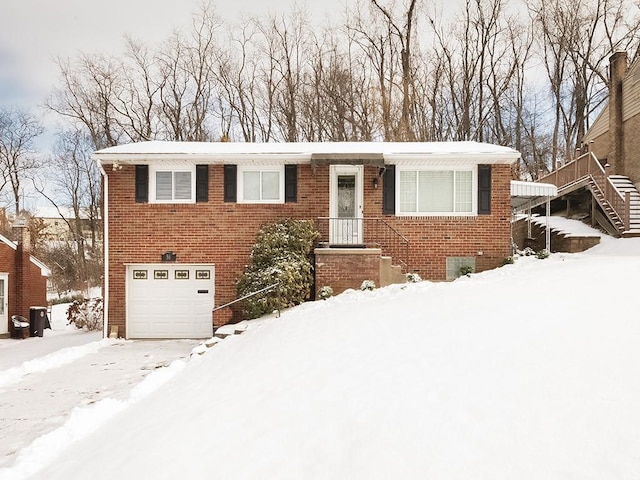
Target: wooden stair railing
(587, 167)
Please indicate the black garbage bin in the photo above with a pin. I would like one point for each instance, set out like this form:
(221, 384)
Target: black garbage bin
(37, 321)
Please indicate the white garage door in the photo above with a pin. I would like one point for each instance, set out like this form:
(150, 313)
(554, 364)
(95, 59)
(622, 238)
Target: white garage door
(170, 301)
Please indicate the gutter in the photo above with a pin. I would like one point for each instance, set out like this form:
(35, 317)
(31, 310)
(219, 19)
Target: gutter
(105, 246)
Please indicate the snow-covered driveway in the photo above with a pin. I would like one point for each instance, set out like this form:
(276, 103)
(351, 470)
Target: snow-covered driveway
(44, 380)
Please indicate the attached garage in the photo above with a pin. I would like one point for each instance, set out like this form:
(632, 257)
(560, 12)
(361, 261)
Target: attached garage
(170, 300)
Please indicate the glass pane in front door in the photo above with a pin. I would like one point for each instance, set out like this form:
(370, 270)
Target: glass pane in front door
(346, 196)
(2, 294)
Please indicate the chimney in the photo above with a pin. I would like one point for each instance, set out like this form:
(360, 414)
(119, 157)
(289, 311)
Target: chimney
(617, 71)
(23, 259)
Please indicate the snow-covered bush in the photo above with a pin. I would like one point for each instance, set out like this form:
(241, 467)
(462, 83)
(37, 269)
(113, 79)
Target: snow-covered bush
(279, 256)
(325, 292)
(367, 285)
(508, 260)
(86, 313)
(466, 270)
(413, 277)
(542, 254)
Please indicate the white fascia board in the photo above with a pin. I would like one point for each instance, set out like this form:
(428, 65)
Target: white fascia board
(449, 160)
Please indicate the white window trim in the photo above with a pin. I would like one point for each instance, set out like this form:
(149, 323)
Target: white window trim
(152, 183)
(474, 192)
(260, 168)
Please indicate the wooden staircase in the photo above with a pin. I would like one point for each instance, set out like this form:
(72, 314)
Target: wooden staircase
(616, 195)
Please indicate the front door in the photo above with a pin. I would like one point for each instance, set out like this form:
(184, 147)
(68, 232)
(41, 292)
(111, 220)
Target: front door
(4, 319)
(346, 223)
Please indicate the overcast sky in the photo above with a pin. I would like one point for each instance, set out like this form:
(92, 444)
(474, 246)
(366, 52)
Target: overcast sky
(34, 32)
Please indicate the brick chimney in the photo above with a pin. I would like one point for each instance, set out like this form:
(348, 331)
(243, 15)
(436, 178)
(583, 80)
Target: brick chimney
(23, 259)
(617, 71)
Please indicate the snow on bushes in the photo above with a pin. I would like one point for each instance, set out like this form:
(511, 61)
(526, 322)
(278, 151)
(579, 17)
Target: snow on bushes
(86, 313)
(280, 256)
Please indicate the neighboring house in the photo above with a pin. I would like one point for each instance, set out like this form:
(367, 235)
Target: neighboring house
(614, 137)
(181, 218)
(604, 180)
(23, 281)
(58, 223)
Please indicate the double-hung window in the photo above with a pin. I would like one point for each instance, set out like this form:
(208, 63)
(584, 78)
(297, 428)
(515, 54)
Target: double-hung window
(261, 184)
(173, 185)
(436, 192)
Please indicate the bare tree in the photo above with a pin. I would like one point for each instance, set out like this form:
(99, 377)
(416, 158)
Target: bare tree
(18, 158)
(75, 180)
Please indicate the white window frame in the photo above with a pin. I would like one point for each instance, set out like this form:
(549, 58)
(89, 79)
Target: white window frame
(153, 170)
(418, 169)
(242, 169)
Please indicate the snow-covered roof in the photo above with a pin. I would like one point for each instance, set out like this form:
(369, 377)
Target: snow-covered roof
(44, 270)
(55, 213)
(301, 152)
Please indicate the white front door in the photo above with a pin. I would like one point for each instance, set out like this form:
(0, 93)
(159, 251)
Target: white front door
(345, 205)
(4, 316)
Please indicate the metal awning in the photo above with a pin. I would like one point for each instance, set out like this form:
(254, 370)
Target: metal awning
(526, 195)
(321, 159)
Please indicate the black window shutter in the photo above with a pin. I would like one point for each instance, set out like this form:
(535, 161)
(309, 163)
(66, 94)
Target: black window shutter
(142, 183)
(230, 183)
(290, 183)
(484, 189)
(389, 190)
(202, 183)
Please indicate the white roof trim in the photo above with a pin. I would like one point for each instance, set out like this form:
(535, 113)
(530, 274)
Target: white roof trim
(46, 272)
(300, 152)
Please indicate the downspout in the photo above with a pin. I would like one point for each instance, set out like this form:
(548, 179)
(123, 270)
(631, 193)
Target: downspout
(105, 246)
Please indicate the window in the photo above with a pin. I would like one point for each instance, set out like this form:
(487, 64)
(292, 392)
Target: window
(173, 186)
(261, 184)
(436, 192)
(458, 266)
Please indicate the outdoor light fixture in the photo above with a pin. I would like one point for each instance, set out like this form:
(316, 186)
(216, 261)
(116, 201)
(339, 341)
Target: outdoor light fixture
(375, 182)
(168, 256)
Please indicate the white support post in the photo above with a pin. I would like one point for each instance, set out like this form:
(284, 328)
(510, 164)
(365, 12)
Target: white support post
(548, 240)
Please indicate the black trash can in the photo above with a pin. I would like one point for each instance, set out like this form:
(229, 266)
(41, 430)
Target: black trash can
(37, 321)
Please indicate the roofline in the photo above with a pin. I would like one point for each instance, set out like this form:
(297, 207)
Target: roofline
(303, 153)
(46, 271)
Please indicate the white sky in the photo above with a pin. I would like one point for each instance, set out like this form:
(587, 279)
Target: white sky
(34, 32)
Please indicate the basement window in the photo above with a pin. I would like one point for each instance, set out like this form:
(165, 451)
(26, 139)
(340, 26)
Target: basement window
(458, 266)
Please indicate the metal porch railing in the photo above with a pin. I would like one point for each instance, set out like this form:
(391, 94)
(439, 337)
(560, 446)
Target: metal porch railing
(364, 232)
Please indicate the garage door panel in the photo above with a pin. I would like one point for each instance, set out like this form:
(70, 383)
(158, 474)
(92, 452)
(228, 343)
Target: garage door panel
(172, 306)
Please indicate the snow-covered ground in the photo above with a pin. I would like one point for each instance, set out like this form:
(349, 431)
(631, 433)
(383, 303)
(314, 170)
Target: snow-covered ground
(45, 383)
(529, 371)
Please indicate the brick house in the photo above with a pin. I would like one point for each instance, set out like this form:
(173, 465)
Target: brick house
(181, 218)
(23, 281)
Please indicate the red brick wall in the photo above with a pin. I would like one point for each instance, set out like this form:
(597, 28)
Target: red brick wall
(223, 233)
(27, 287)
(341, 269)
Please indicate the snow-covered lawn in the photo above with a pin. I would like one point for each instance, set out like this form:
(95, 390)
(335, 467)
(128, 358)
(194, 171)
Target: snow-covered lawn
(531, 371)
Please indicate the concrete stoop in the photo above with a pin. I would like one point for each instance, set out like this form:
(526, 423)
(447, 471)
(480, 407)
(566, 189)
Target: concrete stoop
(390, 274)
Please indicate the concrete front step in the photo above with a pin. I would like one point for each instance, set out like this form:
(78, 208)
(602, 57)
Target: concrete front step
(390, 274)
